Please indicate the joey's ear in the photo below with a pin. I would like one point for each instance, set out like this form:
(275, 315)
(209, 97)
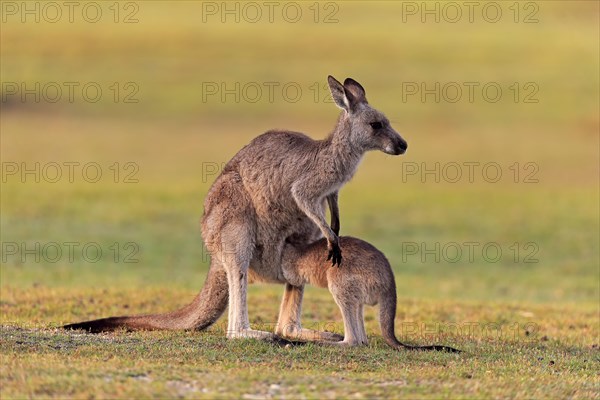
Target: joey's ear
(338, 93)
(356, 89)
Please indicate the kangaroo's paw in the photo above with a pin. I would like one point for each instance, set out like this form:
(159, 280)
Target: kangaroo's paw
(335, 253)
(310, 335)
(250, 334)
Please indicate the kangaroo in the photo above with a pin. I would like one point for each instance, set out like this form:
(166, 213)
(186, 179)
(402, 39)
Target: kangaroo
(366, 278)
(272, 193)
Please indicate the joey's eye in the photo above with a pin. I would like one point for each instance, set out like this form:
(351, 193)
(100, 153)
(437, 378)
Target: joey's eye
(376, 125)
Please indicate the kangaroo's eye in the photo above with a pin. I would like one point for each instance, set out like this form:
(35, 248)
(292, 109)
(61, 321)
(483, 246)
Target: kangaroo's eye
(376, 125)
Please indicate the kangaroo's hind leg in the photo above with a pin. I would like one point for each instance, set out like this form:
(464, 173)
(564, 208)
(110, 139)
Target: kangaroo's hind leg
(288, 324)
(228, 228)
(360, 325)
(353, 327)
(235, 254)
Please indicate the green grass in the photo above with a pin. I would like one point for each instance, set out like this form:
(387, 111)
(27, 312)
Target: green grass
(509, 351)
(528, 330)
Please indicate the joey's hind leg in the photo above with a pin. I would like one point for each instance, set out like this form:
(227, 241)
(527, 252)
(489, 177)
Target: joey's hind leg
(288, 324)
(354, 331)
(360, 325)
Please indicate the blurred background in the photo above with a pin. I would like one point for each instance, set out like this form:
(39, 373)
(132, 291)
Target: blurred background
(117, 116)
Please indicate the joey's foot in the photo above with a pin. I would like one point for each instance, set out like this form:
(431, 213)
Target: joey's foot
(250, 334)
(310, 335)
(335, 253)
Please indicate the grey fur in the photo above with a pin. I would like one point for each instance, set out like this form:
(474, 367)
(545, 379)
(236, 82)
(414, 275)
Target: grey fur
(273, 193)
(366, 279)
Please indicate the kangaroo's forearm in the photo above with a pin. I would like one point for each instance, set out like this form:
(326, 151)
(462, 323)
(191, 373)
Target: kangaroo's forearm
(310, 207)
(334, 210)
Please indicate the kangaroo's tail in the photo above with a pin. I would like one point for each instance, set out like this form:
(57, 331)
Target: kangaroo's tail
(387, 314)
(201, 313)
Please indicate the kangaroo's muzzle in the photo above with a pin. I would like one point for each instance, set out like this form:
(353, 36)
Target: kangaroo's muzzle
(397, 147)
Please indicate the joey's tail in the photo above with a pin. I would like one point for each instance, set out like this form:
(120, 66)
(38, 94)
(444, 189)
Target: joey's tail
(202, 312)
(387, 314)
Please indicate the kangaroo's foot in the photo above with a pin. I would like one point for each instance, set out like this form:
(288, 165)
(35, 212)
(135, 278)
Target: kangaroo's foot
(322, 335)
(341, 343)
(250, 334)
(299, 333)
(346, 343)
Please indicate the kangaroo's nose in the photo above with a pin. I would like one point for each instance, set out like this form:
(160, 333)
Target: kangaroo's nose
(402, 146)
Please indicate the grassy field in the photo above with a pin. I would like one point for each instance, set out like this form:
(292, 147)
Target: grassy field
(527, 319)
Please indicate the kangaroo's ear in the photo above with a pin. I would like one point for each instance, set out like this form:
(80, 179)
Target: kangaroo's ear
(356, 89)
(338, 93)
(348, 95)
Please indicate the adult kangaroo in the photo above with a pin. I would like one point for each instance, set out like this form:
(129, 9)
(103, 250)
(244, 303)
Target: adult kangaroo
(272, 193)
